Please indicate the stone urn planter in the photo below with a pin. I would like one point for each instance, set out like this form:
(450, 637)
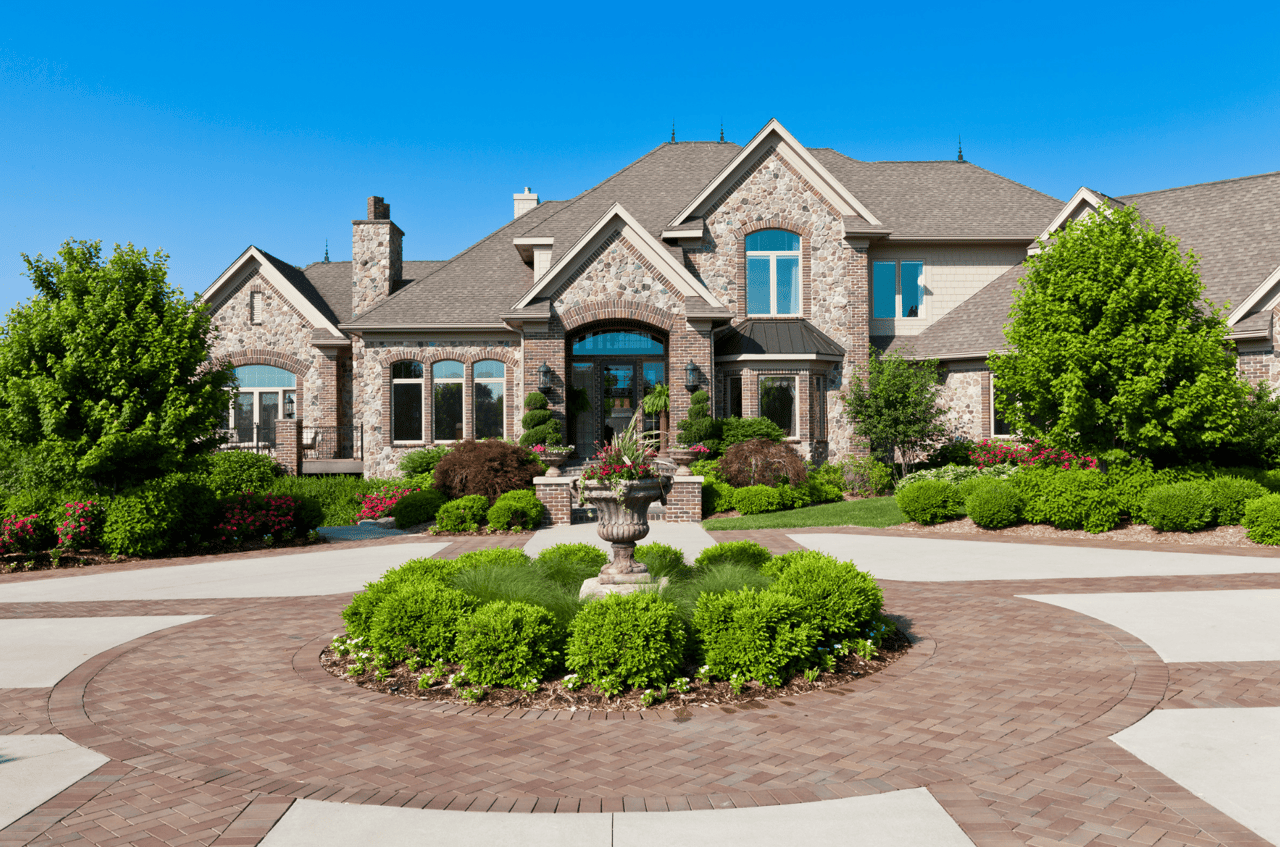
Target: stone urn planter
(683, 457)
(623, 519)
(553, 461)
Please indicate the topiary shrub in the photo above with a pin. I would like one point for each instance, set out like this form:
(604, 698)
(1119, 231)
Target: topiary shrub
(700, 427)
(490, 468)
(417, 507)
(626, 639)
(423, 617)
(569, 565)
(866, 477)
(538, 424)
(737, 430)
(747, 553)
(717, 495)
(1229, 494)
(1180, 507)
(504, 643)
(463, 514)
(994, 505)
(838, 596)
(664, 561)
(929, 501)
(234, 471)
(516, 510)
(423, 461)
(760, 635)
(1262, 519)
(761, 462)
(756, 499)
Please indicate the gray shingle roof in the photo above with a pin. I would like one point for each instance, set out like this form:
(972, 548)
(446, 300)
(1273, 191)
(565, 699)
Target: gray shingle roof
(942, 199)
(332, 283)
(788, 337)
(975, 326)
(307, 287)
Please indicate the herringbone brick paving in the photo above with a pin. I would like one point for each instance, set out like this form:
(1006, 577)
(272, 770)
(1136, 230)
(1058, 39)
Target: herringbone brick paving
(214, 727)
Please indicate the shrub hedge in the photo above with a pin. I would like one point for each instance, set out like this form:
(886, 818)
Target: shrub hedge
(417, 507)
(1180, 507)
(747, 553)
(1262, 519)
(1229, 495)
(516, 510)
(752, 634)
(929, 501)
(505, 643)
(422, 616)
(838, 596)
(757, 499)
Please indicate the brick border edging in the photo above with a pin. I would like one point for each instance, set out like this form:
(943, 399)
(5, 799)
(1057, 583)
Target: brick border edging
(66, 802)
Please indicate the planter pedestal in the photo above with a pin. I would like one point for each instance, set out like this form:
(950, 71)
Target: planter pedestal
(623, 519)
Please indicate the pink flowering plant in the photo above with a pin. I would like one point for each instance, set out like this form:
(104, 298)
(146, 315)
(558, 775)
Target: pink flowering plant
(251, 516)
(377, 505)
(19, 534)
(1032, 454)
(698, 448)
(81, 526)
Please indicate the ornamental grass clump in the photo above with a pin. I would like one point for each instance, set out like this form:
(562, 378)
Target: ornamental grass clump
(519, 583)
(625, 640)
(929, 501)
(1262, 519)
(995, 505)
(509, 643)
(569, 565)
(1180, 507)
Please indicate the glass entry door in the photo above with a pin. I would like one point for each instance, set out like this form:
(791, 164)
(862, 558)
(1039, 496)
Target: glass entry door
(619, 397)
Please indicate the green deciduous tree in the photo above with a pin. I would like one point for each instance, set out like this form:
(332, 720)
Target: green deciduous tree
(104, 374)
(896, 409)
(1112, 346)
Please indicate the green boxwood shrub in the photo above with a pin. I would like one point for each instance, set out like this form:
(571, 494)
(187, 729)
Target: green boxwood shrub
(1068, 499)
(626, 639)
(794, 496)
(516, 510)
(1229, 494)
(760, 635)
(838, 596)
(417, 507)
(234, 471)
(747, 553)
(506, 643)
(757, 499)
(929, 501)
(463, 514)
(994, 505)
(717, 495)
(778, 565)
(737, 430)
(569, 565)
(422, 616)
(1180, 507)
(540, 427)
(972, 484)
(704, 467)
(358, 615)
(822, 491)
(1262, 519)
(664, 561)
(421, 462)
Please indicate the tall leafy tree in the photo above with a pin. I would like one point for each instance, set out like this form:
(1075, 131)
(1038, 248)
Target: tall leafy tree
(104, 374)
(1114, 347)
(896, 408)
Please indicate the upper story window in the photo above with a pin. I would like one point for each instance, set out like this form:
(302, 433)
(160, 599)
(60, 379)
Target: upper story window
(489, 392)
(446, 401)
(773, 273)
(897, 289)
(406, 401)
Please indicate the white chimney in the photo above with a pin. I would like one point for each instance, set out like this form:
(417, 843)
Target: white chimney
(524, 202)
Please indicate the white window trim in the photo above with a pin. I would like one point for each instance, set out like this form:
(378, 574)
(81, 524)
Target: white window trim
(773, 280)
(926, 293)
(462, 381)
(502, 392)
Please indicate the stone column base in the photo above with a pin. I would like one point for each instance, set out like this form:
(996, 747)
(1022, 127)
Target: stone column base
(593, 588)
(555, 494)
(684, 502)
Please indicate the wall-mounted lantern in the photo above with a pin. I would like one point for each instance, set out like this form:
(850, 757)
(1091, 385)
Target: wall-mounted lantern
(290, 408)
(544, 377)
(691, 374)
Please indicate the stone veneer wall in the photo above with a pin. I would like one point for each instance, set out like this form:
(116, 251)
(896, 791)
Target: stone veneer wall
(1256, 362)
(376, 262)
(965, 395)
(281, 338)
(772, 195)
(372, 362)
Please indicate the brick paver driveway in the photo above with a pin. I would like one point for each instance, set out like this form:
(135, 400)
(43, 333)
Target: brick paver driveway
(1003, 711)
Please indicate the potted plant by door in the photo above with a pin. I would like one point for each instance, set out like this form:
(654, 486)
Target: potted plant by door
(658, 402)
(621, 482)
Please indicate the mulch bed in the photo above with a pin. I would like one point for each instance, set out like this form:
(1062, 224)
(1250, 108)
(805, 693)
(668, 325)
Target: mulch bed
(1218, 536)
(43, 561)
(553, 696)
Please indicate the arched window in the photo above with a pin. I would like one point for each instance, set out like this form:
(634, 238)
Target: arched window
(406, 401)
(773, 273)
(446, 401)
(265, 395)
(488, 392)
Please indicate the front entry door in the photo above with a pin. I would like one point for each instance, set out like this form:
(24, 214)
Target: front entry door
(620, 400)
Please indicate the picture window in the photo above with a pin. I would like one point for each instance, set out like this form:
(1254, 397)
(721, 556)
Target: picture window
(406, 401)
(446, 401)
(897, 289)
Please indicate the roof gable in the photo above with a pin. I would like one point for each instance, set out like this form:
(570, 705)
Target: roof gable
(796, 155)
(286, 279)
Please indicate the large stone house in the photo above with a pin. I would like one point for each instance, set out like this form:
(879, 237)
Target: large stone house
(763, 274)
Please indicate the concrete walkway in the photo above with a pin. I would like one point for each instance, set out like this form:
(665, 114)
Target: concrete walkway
(1056, 695)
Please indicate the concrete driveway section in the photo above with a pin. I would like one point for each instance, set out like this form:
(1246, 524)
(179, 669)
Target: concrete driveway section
(689, 538)
(295, 575)
(35, 768)
(1190, 626)
(65, 643)
(946, 560)
(913, 817)
(1228, 757)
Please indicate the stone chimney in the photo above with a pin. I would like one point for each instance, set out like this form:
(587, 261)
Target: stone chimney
(524, 202)
(377, 257)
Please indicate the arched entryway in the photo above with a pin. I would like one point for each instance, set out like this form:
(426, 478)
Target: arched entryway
(611, 368)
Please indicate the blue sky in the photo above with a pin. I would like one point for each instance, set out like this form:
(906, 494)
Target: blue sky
(203, 129)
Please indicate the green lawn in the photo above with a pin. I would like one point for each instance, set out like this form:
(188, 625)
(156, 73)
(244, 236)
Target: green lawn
(875, 512)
